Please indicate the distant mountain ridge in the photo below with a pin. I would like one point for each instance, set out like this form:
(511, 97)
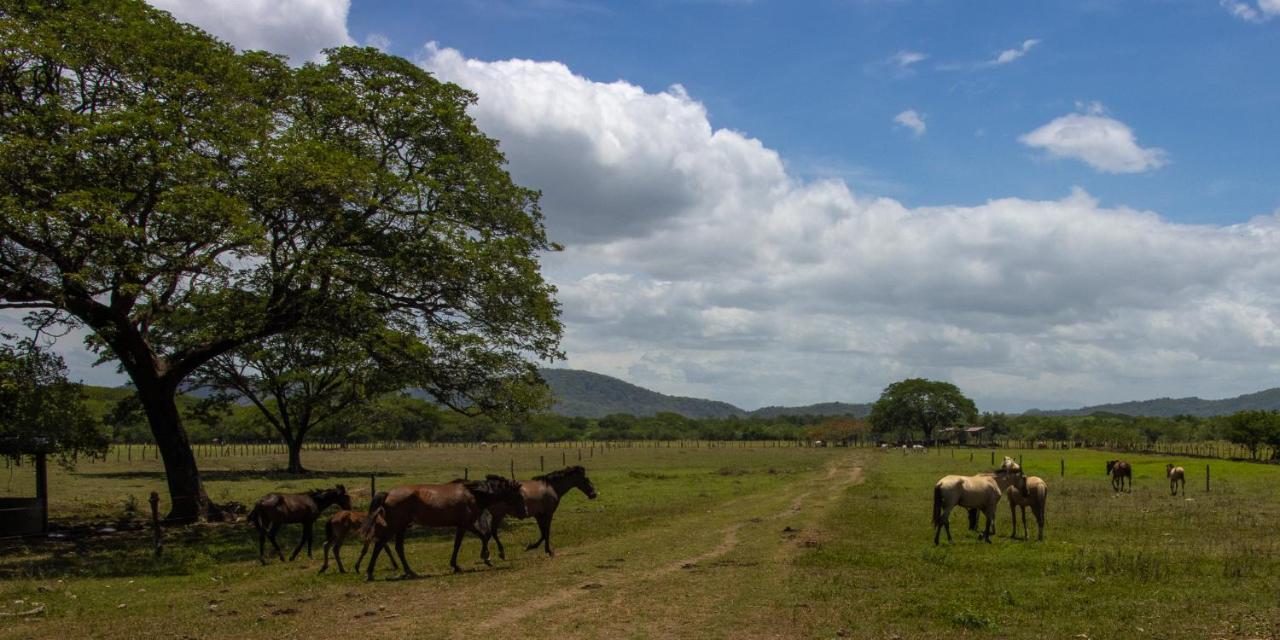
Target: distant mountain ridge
(594, 395)
(1267, 400)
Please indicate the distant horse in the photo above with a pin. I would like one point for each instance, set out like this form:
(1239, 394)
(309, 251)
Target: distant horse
(1177, 477)
(981, 492)
(277, 509)
(542, 496)
(458, 504)
(342, 525)
(1119, 470)
(1028, 491)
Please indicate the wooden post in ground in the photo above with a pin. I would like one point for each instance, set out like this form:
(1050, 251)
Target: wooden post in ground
(157, 536)
(1062, 462)
(1206, 478)
(373, 485)
(42, 491)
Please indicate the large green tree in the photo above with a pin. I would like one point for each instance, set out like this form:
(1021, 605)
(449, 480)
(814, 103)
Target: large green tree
(179, 199)
(921, 405)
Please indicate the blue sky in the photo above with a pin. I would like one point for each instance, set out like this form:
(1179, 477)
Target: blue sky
(1051, 204)
(816, 82)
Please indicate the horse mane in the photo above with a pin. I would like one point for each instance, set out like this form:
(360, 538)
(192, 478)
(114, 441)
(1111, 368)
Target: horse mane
(561, 473)
(492, 485)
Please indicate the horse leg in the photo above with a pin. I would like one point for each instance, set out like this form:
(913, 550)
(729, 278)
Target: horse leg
(404, 562)
(262, 542)
(457, 542)
(502, 553)
(378, 545)
(544, 523)
(275, 528)
(308, 529)
(337, 556)
(363, 550)
(990, 512)
(484, 550)
(1026, 534)
(1039, 511)
(325, 565)
(301, 541)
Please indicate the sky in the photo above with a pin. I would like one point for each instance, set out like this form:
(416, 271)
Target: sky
(769, 202)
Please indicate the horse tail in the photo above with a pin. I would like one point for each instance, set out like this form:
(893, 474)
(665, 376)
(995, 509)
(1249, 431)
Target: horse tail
(328, 530)
(377, 512)
(937, 505)
(255, 517)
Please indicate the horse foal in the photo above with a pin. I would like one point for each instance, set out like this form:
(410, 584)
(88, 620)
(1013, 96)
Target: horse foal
(1031, 491)
(1177, 477)
(342, 525)
(1119, 470)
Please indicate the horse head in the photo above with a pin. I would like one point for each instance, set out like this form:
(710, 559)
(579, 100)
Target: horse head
(1111, 465)
(583, 483)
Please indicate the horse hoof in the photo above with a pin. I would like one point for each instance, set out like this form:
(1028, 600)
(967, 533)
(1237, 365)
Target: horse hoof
(457, 569)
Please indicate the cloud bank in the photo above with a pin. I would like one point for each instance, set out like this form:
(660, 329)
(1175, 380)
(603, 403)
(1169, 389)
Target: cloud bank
(697, 264)
(298, 29)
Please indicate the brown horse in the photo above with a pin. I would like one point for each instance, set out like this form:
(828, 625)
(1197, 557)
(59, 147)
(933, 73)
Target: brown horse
(542, 496)
(980, 492)
(1177, 477)
(457, 504)
(1029, 491)
(342, 525)
(1119, 470)
(277, 509)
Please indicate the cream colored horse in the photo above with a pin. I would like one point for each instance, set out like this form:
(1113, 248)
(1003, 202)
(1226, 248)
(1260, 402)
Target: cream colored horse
(981, 492)
(1177, 477)
(1029, 491)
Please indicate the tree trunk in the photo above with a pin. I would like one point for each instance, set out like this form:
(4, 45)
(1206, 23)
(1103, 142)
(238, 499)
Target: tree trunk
(187, 499)
(295, 455)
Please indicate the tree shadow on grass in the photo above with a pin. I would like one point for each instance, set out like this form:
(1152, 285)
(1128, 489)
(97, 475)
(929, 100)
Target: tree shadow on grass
(187, 550)
(231, 475)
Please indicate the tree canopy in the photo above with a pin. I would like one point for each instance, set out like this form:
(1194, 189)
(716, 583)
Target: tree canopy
(919, 405)
(180, 199)
(40, 411)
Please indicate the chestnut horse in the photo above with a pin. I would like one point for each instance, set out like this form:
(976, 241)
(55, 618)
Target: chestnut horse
(1119, 470)
(1176, 477)
(980, 492)
(342, 525)
(277, 509)
(458, 504)
(542, 496)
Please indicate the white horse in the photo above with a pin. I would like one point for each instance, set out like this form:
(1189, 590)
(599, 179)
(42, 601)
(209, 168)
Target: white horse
(1177, 477)
(981, 492)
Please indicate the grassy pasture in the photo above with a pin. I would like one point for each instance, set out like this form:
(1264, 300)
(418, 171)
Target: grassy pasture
(726, 542)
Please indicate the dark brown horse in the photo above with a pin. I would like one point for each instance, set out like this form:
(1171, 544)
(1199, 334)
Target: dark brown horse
(542, 496)
(458, 504)
(277, 509)
(342, 525)
(1119, 470)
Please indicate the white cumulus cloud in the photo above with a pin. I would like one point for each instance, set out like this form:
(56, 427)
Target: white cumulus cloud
(1258, 12)
(1102, 142)
(904, 59)
(698, 265)
(1009, 55)
(911, 120)
(298, 29)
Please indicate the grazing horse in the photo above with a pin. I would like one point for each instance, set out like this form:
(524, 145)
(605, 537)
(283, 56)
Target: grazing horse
(339, 527)
(1119, 470)
(980, 492)
(458, 504)
(277, 509)
(1176, 477)
(1028, 491)
(542, 496)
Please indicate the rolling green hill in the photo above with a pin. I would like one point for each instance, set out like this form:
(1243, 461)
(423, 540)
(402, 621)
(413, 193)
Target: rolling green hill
(1268, 400)
(592, 395)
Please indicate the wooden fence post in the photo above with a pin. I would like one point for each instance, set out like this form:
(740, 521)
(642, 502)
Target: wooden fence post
(1206, 478)
(155, 522)
(1063, 463)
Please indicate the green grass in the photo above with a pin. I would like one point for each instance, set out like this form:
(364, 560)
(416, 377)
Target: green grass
(709, 543)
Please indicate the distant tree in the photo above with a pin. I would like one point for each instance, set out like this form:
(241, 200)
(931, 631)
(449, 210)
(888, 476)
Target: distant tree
(840, 429)
(180, 200)
(921, 405)
(1252, 429)
(300, 380)
(40, 411)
